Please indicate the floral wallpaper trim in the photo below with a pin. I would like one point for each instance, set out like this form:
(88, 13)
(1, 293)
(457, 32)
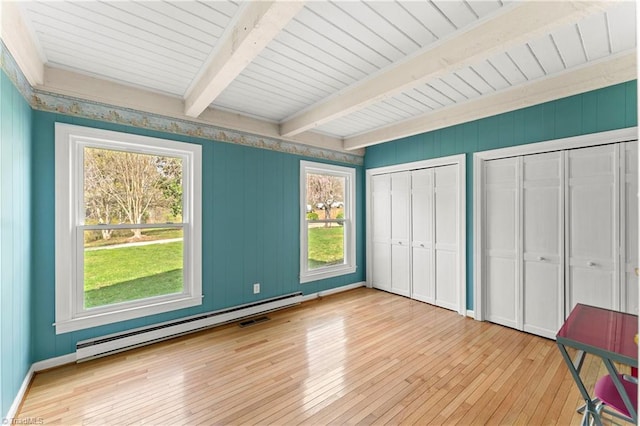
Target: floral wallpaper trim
(60, 104)
(13, 71)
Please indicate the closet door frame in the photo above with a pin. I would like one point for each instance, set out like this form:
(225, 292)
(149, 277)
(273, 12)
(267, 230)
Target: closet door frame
(460, 161)
(613, 136)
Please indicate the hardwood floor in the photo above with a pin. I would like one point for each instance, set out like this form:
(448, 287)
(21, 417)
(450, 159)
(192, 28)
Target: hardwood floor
(359, 357)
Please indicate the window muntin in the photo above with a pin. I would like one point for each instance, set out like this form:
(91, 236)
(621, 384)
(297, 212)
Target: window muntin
(327, 221)
(128, 212)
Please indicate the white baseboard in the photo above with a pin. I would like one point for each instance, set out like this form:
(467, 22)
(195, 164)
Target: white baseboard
(35, 367)
(13, 410)
(347, 287)
(470, 313)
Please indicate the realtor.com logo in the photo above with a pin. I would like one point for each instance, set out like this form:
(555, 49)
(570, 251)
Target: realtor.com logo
(23, 421)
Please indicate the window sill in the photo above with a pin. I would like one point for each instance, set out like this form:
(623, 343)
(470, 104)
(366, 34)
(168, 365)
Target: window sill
(327, 273)
(103, 318)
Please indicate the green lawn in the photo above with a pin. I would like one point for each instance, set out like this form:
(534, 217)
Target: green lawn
(130, 273)
(326, 246)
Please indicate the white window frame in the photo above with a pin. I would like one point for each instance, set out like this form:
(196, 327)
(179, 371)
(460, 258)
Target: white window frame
(349, 266)
(70, 142)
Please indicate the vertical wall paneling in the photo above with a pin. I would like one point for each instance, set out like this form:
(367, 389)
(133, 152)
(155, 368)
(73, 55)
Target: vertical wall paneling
(15, 241)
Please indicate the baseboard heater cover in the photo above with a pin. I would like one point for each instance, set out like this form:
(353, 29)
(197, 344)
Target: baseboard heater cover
(118, 342)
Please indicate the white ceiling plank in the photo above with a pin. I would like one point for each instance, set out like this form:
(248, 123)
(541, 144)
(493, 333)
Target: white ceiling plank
(514, 26)
(483, 8)
(268, 66)
(435, 95)
(547, 53)
(526, 62)
(414, 101)
(314, 52)
(603, 73)
(474, 80)
(218, 13)
(404, 21)
(460, 86)
(505, 65)
(427, 14)
(339, 35)
(423, 98)
(456, 11)
(595, 36)
(323, 64)
(395, 42)
(488, 73)
(297, 29)
(47, 19)
(139, 27)
(569, 45)
(446, 90)
(259, 23)
(622, 26)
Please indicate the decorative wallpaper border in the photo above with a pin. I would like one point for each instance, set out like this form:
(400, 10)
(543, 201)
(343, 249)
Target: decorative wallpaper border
(53, 102)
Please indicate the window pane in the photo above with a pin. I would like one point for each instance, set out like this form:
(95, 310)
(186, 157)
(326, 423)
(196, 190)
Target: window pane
(119, 268)
(326, 244)
(127, 187)
(325, 196)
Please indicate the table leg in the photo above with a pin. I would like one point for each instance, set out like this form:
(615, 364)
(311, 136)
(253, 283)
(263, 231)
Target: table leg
(574, 368)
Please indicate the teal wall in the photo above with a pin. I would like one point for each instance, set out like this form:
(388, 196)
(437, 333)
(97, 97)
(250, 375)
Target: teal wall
(250, 230)
(609, 108)
(15, 241)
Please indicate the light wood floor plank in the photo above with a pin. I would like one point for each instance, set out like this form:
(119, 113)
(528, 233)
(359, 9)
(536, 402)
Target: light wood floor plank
(360, 357)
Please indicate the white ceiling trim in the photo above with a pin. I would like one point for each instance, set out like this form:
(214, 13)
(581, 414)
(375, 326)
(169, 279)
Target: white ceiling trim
(258, 23)
(512, 26)
(594, 75)
(18, 39)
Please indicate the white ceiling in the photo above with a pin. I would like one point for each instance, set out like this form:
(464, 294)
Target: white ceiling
(326, 53)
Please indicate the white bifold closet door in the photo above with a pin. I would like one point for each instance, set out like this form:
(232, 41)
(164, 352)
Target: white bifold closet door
(592, 224)
(630, 220)
(380, 194)
(542, 243)
(501, 229)
(400, 233)
(446, 236)
(422, 245)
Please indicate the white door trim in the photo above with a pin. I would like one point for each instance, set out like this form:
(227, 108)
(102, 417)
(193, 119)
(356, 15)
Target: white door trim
(459, 160)
(612, 136)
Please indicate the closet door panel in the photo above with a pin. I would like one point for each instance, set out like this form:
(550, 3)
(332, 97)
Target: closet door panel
(446, 236)
(543, 235)
(422, 218)
(592, 224)
(381, 231)
(630, 235)
(400, 233)
(501, 224)
(400, 278)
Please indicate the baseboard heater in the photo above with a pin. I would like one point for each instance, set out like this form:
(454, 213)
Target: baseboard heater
(113, 343)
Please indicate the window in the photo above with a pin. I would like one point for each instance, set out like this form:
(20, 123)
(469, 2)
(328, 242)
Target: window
(128, 226)
(327, 222)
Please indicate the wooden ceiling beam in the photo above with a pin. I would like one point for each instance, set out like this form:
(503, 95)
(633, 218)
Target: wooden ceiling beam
(259, 22)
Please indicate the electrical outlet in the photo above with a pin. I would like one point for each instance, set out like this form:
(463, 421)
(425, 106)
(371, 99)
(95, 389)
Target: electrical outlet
(256, 288)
